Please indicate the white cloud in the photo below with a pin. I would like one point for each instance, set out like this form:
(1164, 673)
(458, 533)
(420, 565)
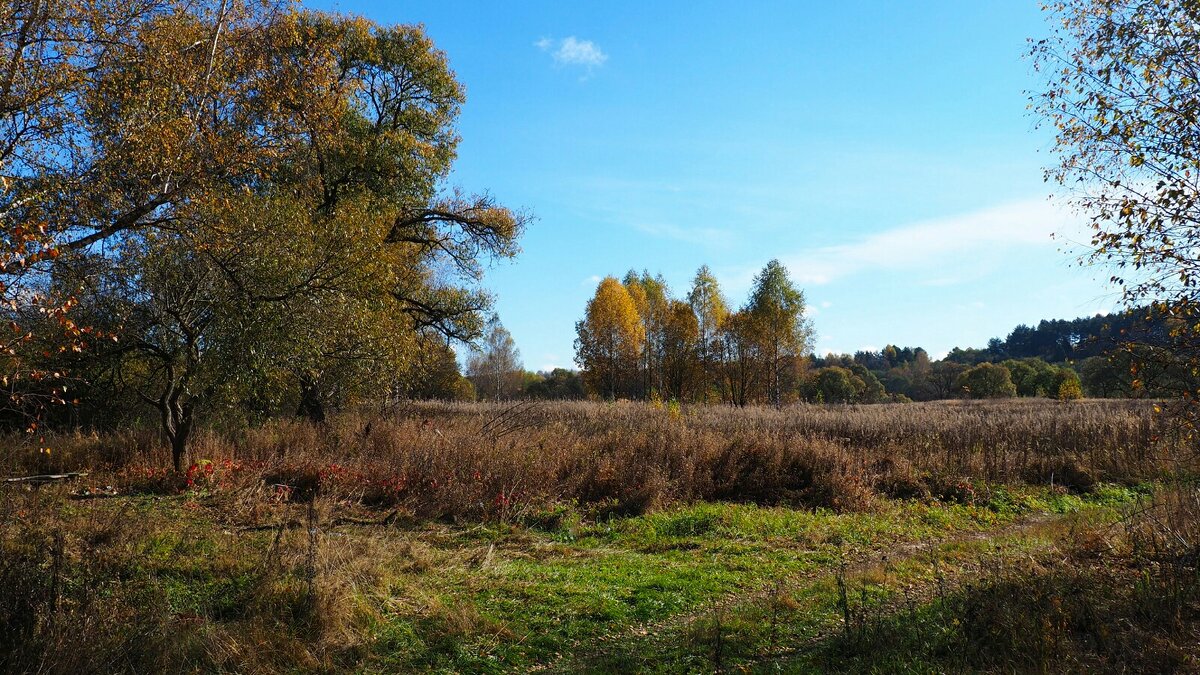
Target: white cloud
(572, 51)
(934, 243)
(591, 281)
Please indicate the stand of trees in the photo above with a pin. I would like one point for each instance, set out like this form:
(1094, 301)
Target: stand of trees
(636, 341)
(1123, 354)
(1057, 341)
(559, 384)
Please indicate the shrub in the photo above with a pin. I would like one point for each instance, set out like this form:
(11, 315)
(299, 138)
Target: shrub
(1069, 386)
(988, 380)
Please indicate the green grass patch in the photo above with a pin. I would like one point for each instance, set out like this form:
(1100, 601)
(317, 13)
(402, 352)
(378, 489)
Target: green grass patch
(639, 591)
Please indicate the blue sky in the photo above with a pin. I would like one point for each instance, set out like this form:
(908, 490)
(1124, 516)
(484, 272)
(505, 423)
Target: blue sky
(881, 150)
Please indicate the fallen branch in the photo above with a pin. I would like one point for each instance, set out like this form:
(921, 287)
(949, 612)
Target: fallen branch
(386, 520)
(46, 478)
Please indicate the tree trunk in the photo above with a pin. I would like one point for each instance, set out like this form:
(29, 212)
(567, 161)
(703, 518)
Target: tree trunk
(179, 443)
(312, 404)
(177, 421)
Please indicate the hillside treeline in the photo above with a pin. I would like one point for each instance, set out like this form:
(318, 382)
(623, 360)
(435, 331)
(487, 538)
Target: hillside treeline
(1058, 341)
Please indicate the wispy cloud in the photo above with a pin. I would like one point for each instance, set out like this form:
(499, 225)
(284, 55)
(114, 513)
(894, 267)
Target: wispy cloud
(572, 51)
(591, 281)
(816, 308)
(707, 236)
(933, 243)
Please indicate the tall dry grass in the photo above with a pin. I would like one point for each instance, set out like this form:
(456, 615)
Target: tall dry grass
(485, 461)
(1108, 597)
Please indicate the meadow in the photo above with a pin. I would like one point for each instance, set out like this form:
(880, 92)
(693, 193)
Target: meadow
(593, 537)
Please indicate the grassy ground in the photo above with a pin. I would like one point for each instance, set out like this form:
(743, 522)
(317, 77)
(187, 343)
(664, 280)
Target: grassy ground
(589, 538)
(693, 588)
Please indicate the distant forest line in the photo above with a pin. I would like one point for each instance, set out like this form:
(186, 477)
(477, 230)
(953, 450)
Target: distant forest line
(637, 342)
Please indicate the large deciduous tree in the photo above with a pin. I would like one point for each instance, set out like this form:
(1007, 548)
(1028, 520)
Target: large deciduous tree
(987, 380)
(265, 191)
(610, 341)
(711, 310)
(679, 352)
(777, 308)
(59, 191)
(652, 299)
(743, 367)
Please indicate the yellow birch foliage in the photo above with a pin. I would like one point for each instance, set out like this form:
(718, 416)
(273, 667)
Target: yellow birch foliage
(609, 340)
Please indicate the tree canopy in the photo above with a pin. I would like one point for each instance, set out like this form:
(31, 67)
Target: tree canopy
(611, 340)
(1122, 91)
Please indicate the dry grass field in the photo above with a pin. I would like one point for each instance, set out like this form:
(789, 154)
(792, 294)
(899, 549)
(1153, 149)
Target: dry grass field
(1019, 535)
